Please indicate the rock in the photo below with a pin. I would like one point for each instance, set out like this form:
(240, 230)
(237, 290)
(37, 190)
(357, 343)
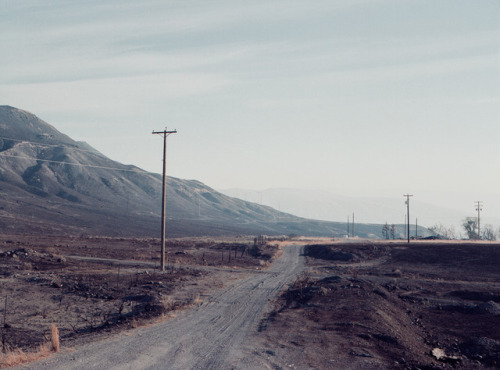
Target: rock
(490, 307)
(440, 355)
(331, 279)
(324, 291)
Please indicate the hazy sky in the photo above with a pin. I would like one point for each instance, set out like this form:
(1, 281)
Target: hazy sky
(358, 97)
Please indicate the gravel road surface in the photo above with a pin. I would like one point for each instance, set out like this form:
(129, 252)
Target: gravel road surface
(218, 334)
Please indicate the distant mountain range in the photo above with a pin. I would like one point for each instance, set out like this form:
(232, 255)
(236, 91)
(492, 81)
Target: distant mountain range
(52, 184)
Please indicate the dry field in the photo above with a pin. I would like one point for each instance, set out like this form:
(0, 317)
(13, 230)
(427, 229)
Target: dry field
(370, 305)
(92, 287)
(424, 305)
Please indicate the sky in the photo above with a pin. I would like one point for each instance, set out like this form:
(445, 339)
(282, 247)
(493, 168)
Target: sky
(356, 97)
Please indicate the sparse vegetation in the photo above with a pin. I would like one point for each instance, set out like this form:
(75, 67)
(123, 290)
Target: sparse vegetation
(110, 285)
(444, 232)
(470, 227)
(488, 233)
(54, 338)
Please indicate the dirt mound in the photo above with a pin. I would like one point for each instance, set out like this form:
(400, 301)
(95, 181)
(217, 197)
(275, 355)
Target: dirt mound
(330, 253)
(468, 256)
(391, 312)
(346, 252)
(485, 350)
(375, 330)
(476, 296)
(490, 307)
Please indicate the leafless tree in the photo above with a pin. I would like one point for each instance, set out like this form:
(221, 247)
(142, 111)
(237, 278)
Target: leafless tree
(444, 232)
(385, 231)
(470, 226)
(488, 233)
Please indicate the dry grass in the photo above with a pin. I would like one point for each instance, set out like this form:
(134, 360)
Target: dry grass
(171, 315)
(168, 303)
(134, 324)
(54, 338)
(278, 253)
(18, 356)
(196, 301)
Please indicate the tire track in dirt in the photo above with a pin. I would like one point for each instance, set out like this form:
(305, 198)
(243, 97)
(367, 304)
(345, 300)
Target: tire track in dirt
(216, 335)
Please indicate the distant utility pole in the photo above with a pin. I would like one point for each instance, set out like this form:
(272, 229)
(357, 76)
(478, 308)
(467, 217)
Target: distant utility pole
(479, 205)
(408, 213)
(353, 224)
(165, 133)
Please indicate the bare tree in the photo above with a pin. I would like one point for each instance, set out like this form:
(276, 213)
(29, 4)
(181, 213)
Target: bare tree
(444, 232)
(488, 233)
(470, 226)
(385, 231)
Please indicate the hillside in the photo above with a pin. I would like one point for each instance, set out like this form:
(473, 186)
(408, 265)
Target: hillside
(50, 183)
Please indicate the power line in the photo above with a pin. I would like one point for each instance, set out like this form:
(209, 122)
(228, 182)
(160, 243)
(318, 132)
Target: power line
(52, 145)
(72, 164)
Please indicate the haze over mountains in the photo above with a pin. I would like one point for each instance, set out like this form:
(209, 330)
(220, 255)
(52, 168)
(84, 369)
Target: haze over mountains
(324, 205)
(50, 183)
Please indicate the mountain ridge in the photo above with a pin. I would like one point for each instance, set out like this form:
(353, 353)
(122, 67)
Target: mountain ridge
(51, 183)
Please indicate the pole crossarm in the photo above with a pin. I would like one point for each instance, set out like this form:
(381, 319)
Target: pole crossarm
(164, 133)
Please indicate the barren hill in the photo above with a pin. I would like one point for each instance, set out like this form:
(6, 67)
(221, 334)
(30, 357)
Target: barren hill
(50, 183)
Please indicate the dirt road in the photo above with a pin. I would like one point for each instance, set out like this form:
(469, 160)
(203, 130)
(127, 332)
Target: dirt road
(218, 334)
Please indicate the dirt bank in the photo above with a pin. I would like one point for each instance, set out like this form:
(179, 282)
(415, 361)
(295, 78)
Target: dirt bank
(376, 305)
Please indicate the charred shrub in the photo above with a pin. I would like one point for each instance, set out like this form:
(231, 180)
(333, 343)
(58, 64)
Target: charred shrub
(327, 252)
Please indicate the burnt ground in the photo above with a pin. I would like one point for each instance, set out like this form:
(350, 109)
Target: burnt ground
(92, 287)
(390, 305)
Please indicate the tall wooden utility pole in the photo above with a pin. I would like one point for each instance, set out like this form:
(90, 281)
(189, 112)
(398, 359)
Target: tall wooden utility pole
(406, 228)
(165, 133)
(408, 213)
(479, 205)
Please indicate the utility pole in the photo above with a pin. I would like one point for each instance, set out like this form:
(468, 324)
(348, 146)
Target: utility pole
(479, 205)
(406, 228)
(165, 133)
(408, 213)
(353, 224)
